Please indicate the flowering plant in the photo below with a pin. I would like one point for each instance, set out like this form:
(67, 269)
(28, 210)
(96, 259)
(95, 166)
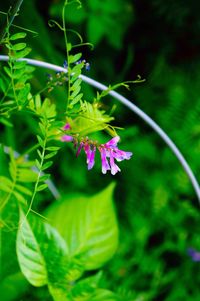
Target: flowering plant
(48, 253)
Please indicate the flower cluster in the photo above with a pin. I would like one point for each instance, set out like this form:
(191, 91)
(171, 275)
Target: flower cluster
(195, 255)
(109, 151)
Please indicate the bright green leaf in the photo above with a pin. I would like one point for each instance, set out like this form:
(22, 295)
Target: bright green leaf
(91, 233)
(19, 46)
(40, 250)
(19, 35)
(42, 187)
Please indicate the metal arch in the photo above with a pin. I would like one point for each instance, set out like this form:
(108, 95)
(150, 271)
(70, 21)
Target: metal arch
(133, 108)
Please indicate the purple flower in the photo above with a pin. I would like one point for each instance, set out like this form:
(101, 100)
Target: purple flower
(111, 151)
(67, 127)
(105, 164)
(195, 256)
(108, 151)
(67, 138)
(91, 158)
(79, 149)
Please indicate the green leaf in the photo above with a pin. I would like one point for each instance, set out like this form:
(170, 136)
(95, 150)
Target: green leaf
(19, 46)
(19, 35)
(86, 287)
(74, 58)
(23, 93)
(26, 175)
(22, 53)
(104, 295)
(75, 92)
(19, 65)
(76, 84)
(76, 99)
(23, 189)
(6, 122)
(40, 250)
(52, 148)
(3, 85)
(91, 233)
(42, 187)
(20, 198)
(41, 141)
(7, 70)
(50, 155)
(44, 177)
(47, 165)
(39, 153)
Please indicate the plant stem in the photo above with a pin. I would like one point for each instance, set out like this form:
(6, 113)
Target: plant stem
(11, 15)
(67, 52)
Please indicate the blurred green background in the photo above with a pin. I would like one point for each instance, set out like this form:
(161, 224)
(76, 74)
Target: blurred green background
(157, 208)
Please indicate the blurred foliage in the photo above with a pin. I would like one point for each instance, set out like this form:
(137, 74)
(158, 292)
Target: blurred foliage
(156, 205)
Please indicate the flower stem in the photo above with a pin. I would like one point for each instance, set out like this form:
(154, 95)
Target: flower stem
(11, 15)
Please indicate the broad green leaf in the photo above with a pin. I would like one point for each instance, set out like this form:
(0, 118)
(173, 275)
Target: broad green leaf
(88, 225)
(8, 225)
(40, 250)
(19, 35)
(85, 288)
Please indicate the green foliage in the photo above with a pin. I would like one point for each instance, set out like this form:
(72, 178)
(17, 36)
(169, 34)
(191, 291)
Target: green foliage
(158, 214)
(40, 251)
(89, 240)
(91, 234)
(15, 87)
(105, 19)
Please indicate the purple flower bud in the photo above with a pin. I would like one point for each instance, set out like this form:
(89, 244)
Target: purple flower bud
(87, 66)
(67, 138)
(195, 256)
(65, 65)
(67, 127)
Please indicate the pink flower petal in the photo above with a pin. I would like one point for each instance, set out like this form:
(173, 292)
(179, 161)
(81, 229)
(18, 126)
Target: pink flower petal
(120, 155)
(91, 159)
(67, 138)
(67, 127)
(105, 164)
(113, 142)
(114, 167)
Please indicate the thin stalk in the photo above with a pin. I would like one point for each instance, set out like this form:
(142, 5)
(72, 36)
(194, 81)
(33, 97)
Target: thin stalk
(67, 52)
(11, 15)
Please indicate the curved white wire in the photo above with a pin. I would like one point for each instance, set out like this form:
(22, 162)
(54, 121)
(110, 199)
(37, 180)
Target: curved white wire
(133, 108)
